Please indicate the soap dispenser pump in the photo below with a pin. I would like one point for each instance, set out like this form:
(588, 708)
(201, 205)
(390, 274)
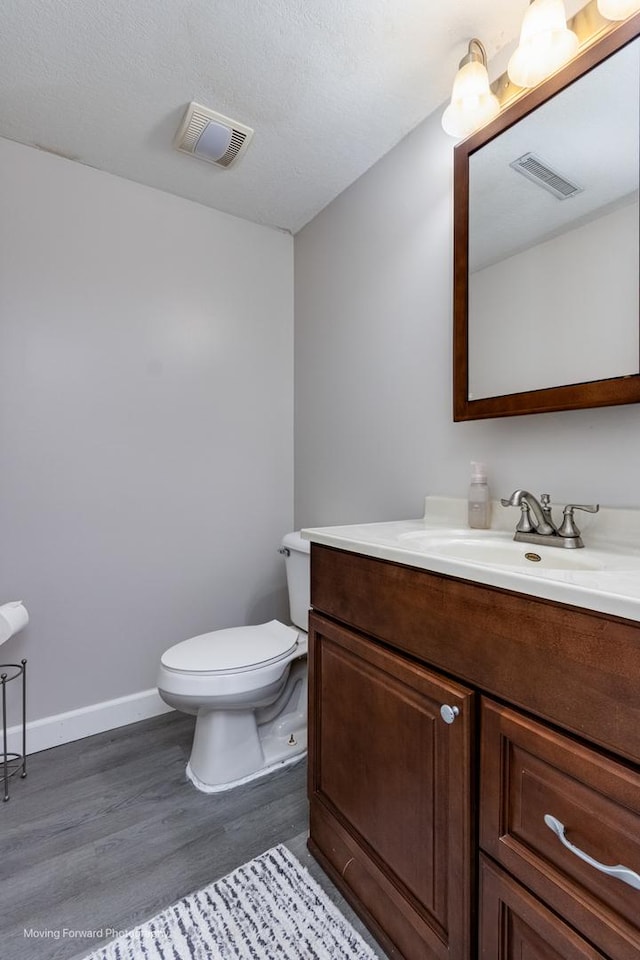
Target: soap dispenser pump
(479, 503)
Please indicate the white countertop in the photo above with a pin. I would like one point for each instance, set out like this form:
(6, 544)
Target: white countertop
(611, 537)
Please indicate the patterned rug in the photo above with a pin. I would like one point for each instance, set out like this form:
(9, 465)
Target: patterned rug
(269, 909)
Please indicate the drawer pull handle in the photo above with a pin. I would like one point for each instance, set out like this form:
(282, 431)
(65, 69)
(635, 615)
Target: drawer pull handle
(622, 873)
(448, 713)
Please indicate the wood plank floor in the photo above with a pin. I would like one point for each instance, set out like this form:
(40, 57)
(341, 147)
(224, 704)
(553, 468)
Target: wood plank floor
(105, 832)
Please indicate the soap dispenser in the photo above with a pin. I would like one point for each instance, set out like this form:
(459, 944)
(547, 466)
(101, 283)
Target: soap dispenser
(479, 503)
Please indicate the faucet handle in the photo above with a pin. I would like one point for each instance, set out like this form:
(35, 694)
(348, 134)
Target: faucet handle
(568, 527)
(545, 499)
(524, 523)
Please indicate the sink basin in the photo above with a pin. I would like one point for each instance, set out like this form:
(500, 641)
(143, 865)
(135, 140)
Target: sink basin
(501, 550)
(526, 556)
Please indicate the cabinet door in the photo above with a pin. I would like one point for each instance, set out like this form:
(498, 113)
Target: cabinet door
(516, 926)
(390, 789)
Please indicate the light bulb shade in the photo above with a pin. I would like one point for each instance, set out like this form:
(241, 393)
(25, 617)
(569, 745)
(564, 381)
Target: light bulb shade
(546, 44)
(472, 103)
(618, 9)
(214, 141)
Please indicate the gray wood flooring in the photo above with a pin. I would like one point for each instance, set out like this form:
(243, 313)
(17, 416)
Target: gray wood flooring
(105, 832)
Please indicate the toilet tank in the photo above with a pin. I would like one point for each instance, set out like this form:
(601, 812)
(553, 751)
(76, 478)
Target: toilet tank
(297, 554)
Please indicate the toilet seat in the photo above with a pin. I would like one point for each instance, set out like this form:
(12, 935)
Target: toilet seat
(241, 662)
(234, 650)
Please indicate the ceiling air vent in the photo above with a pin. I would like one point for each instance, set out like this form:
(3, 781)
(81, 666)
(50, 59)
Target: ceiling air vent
(536, 170)
(212, 137)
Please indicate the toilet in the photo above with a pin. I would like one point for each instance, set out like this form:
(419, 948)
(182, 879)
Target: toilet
(247, 686)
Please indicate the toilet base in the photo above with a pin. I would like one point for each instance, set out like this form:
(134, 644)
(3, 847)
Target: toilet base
(262, 772)
(231, 747)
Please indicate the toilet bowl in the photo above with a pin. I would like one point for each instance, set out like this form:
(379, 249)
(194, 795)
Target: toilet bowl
(247, 687)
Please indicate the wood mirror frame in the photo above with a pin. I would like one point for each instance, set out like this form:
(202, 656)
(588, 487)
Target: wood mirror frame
(596, 393)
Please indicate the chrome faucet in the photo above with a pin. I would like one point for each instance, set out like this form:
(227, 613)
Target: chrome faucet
(541, 528)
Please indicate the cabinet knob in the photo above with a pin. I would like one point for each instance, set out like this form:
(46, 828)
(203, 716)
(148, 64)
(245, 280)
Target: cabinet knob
(448, 713)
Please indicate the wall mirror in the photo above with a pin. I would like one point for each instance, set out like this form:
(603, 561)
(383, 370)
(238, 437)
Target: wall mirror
(547, 243)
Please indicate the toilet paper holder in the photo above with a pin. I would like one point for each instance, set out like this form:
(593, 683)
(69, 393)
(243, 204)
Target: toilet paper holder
(13, 763)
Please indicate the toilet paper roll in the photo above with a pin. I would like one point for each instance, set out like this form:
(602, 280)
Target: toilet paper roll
(13, 617)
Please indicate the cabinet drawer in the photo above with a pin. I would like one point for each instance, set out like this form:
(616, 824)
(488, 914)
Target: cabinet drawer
(516, 926)
(529, 771)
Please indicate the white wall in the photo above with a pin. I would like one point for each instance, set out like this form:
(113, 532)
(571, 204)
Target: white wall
(374, 429)
(146, 424)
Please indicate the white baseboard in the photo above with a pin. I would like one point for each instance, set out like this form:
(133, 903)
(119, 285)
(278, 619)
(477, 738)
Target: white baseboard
(84, 722)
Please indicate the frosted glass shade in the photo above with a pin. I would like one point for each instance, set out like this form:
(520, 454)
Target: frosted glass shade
(472, 103)
(213, 142)
(546, 44)
(618, 9)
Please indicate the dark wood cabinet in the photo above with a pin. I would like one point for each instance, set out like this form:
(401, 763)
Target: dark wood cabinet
(436, 831)
(390, 788)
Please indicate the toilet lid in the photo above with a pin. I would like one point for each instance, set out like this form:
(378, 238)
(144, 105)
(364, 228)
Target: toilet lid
(237, 648)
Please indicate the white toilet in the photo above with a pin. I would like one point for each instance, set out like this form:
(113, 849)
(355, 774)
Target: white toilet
(248, 688)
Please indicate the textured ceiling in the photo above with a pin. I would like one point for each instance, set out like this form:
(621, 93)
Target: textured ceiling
(329, 86)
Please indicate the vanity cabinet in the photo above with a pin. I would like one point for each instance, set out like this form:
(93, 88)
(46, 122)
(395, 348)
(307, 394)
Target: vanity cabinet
(435, 831)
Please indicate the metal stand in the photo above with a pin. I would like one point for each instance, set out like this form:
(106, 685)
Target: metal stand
(13, 763)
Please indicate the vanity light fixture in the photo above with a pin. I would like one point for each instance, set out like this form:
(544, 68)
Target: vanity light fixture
(618, 9)
(546, 43)
(472, 102)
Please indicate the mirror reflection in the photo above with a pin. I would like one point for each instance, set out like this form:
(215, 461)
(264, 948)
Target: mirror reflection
(554, 239)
